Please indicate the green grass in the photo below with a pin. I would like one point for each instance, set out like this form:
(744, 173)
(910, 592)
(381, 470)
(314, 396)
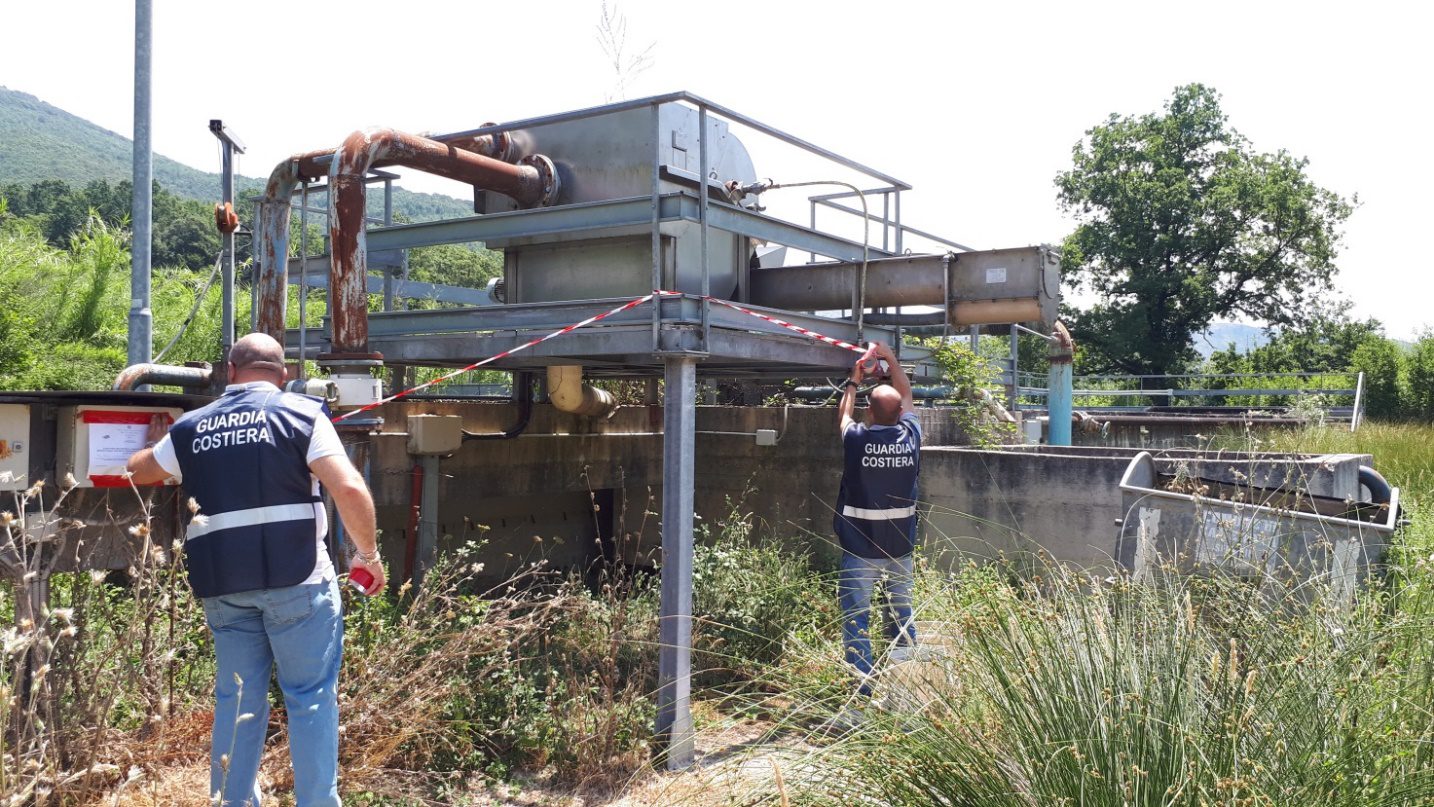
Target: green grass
(1049, 687)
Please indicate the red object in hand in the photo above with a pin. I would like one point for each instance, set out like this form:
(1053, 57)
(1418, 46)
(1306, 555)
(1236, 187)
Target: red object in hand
(871, 365)
(361, 579)
(869, 360)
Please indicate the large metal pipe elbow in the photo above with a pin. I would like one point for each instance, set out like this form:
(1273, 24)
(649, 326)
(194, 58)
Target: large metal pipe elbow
(533, 182)
(168, 375)
(272, 249)
(568, 393)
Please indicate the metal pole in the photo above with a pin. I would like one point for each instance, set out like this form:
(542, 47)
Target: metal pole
(702, 217)
(899, 230)
(303, 280)
(1013, 396)
(231, 145)
(227, 270)
(387, 220)
(1357, 414)
(674, 665)
(428, 520)
(656, 224)
(141, 320)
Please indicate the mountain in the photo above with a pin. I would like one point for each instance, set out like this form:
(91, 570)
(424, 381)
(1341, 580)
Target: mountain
(1220, 334)
(39, 141)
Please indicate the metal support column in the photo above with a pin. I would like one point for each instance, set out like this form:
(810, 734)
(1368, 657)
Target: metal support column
(141, 320)
(428, 520)
(230, 145)
(1013, 390)
(674, 668)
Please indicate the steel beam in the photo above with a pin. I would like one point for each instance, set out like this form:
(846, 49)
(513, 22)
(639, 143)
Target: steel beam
(803, 239)
(674, 666)
(378, 283)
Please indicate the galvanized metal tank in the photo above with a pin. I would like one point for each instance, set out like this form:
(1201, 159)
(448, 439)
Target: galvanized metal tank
(614, 156)
(1279, 533)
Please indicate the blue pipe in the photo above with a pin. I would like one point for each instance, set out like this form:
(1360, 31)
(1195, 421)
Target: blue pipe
(1060, 387)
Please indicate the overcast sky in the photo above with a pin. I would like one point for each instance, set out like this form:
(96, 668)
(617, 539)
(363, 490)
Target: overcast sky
(976, 104)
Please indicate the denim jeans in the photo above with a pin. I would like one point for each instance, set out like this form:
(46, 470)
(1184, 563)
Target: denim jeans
(854, 588)
(299, 629)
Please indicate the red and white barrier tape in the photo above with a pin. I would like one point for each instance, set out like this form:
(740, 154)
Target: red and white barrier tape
(590, 320)
(789, 326)
(475, 365)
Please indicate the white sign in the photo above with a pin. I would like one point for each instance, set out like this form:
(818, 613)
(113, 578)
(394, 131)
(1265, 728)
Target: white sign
(111, 445)
(996, 274)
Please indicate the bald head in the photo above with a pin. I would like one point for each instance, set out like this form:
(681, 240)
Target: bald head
(257, 357)
(884, 403)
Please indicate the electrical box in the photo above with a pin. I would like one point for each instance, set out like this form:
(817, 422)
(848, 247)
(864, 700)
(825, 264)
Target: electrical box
(766, 437)
(95, 441)
(434, 434)
(14, 446)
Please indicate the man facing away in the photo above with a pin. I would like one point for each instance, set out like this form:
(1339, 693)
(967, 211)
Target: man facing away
(876, 510)
(253, 461)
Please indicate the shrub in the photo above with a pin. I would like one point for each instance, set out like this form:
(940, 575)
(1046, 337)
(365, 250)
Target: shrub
(1419, 378)
(1378, 359)
(749, 599)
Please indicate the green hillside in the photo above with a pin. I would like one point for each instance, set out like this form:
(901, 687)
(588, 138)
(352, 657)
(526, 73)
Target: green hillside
(39, 141)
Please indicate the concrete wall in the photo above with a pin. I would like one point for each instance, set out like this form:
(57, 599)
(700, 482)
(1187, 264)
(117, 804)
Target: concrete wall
(571, 491)
(569, 488)
(1066, 500)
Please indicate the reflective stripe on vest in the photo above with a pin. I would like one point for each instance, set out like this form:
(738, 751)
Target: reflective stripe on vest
(253, 516)
(888, 514)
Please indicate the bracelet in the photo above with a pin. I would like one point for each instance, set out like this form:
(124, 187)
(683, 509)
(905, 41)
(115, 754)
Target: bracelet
(852, 382)
(366, 557)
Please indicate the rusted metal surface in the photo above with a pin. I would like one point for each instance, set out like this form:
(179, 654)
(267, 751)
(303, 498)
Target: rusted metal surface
(273, 248)
(532, 183)
(1062, 347)
(137, 375)
(499, 145)
(481, 161)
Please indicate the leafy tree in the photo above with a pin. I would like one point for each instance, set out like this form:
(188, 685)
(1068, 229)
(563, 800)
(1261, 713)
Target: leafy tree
(1180, 223)
(1325, 343)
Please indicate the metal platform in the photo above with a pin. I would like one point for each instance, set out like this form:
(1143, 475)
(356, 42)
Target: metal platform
(726, 342)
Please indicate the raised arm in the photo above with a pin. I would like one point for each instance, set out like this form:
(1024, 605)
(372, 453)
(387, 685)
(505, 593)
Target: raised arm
(848, 399)
(899, 381)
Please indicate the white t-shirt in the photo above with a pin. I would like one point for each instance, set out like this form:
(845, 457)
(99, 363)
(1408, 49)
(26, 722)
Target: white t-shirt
(323, 443)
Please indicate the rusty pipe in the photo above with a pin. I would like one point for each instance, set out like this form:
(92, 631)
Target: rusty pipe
(168, 375)
(532, 183)
(499, 145)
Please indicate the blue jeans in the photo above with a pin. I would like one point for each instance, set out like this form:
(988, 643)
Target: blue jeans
(854, 588)
(301, 629)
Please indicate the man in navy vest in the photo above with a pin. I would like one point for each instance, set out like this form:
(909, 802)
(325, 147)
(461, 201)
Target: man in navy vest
(253, 462)
(876, 510)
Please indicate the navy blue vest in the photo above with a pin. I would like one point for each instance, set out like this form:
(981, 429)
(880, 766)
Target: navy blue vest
(244, 460)
(876, 509)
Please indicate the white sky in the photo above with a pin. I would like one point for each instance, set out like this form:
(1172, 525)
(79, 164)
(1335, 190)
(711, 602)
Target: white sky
(976, 104)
